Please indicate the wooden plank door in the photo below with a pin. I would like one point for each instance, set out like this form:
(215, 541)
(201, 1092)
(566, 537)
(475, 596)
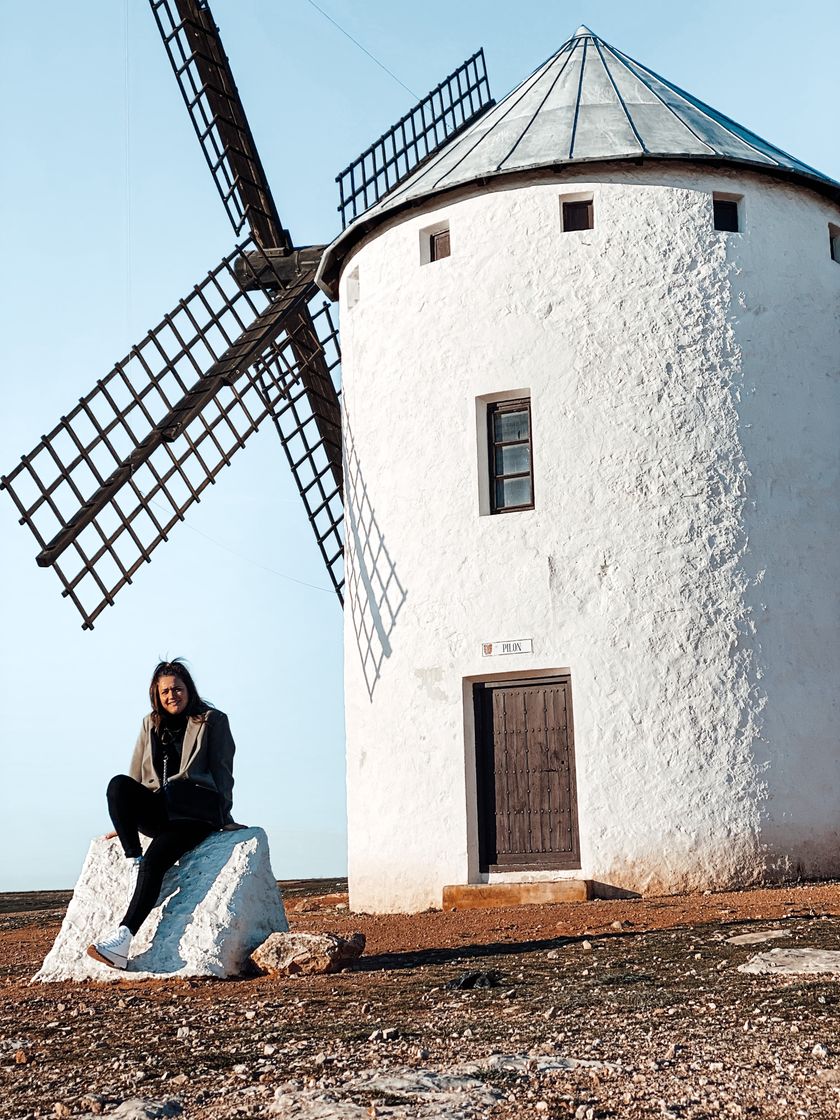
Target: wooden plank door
(527, 800)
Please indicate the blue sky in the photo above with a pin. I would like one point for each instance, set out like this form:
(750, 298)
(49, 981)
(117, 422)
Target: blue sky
(110, 216)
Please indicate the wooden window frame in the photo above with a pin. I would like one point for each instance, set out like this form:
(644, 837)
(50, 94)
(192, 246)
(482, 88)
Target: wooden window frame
(433, 239)
(834, 242)
(569, 207)
(727, 200)
(439, 245)
(519, 404)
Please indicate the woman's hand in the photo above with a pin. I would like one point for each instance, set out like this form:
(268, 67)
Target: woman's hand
(109, 836)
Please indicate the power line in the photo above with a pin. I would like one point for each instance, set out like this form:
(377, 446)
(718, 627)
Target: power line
(373, 57)
(247, 559)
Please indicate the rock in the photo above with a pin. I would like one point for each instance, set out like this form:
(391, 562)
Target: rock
(426, 1093)
(288, 954)
(475, 979)
(138, 1109)
(757, 937)
(217, 904)
(806, 962)
(820, 1051)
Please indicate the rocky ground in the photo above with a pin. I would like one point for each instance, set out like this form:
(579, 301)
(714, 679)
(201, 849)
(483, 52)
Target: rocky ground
(629, 1008)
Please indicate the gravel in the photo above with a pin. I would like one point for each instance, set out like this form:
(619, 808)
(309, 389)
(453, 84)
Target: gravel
(653, 1019)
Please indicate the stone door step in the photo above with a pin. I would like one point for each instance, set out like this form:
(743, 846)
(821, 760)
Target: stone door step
(478, 896)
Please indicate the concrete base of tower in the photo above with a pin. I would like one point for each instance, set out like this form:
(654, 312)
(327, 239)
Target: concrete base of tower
(485, 896)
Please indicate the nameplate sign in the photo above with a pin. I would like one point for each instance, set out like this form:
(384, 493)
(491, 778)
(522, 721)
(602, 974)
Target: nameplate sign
(495, 649)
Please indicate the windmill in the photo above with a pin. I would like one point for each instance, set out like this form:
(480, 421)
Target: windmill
(254, 341)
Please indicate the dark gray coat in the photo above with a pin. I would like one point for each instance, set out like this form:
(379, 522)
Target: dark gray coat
(206, 757)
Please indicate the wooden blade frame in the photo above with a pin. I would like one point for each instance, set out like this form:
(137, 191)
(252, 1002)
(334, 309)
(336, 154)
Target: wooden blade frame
(203, 72)
(459, 100)
(107, 484)
(201, 67)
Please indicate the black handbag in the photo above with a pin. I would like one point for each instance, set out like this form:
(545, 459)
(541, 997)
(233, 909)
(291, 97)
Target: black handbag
(186, 799)
(190, 800)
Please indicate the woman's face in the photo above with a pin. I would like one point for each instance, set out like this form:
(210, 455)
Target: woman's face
(173, 695)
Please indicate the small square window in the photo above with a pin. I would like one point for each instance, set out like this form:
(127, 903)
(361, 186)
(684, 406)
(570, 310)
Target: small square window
(439, 245)
(834, 241)
(726, 214)
(578, 214)
(434, 243)
(510, 459)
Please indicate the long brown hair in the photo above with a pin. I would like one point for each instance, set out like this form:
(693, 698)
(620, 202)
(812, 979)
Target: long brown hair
(196, 707)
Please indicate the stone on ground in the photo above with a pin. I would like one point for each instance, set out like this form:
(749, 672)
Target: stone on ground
(288, 954)
(217, 904)
(398, 1092)
(758, 937)
(806, 962)
(139, 1109)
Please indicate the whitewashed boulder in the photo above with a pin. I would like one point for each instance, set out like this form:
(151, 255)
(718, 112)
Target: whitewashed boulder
(218, 903)
(287, 954)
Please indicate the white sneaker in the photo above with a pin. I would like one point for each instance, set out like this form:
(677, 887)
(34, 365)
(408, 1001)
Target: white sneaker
(112, 950)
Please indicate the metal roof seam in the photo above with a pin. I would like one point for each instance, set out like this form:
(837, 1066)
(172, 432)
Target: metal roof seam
(521, 137)
(711, 114)
(525, 87)
(621, 100)
(577, 102)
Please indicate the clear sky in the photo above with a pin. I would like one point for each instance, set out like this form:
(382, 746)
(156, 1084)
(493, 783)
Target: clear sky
(109, 216)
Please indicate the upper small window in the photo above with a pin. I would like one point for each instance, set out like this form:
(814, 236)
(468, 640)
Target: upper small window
(727, 218)
(439, 245)
(578, 214)
(834, 241)
(434, 243)
(511, 474)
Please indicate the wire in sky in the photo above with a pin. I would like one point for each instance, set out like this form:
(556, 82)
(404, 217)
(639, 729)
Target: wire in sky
(373, 57)
(247, 559)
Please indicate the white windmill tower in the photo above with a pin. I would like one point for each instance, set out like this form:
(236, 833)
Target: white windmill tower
(591, 383)
(588, 448)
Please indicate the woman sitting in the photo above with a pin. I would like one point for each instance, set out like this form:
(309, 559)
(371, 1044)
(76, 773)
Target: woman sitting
(178, 790)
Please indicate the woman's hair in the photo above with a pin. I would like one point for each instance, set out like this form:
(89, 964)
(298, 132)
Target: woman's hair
(196, 707)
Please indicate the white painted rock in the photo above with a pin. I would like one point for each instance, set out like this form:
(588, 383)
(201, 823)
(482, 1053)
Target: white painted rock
(758, 937)
(805, 962)
(217, 905)
(287, 954)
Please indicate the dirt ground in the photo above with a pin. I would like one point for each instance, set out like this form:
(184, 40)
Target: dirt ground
(641, 999)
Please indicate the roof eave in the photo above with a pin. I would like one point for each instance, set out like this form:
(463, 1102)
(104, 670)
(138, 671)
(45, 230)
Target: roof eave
(332, 261)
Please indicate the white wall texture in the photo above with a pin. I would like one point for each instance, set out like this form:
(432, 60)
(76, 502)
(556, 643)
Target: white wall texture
(682, 561)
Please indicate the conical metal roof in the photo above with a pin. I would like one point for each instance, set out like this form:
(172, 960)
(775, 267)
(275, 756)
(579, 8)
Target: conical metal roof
(589, 102)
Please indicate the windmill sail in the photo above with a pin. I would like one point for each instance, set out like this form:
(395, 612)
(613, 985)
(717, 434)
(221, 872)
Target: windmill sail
(108, 483)
(203, 73)
(461, 98)
(201, 67)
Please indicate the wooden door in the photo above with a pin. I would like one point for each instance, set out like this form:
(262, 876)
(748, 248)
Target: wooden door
(527, 801)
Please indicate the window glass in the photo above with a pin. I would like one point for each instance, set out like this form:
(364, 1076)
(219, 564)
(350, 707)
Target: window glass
(511, 425)
(515, 459)
(509, 435)
(513, 492)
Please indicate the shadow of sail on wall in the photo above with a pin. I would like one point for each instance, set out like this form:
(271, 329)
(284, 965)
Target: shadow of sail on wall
(372, 587)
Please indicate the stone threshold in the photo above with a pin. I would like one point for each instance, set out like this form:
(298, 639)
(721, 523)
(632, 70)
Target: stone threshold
(485, 896)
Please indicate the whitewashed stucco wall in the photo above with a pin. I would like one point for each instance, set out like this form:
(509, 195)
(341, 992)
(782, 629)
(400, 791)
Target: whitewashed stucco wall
(682, 559)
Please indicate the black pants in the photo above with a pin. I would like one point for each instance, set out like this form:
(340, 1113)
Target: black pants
(135, 809)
